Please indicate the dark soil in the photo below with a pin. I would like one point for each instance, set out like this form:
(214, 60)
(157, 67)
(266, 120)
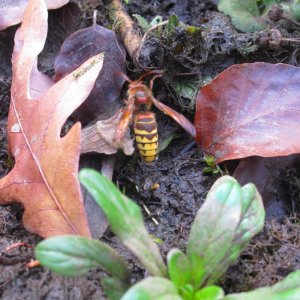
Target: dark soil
(174, 188)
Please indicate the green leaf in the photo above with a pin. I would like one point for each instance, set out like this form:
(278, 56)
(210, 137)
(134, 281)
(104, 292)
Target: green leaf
(152, 288)
(208, 170)
(287, 289)
(187, 292)
(187, 90)
(228, 219)
(143, 23)
(210, 160)
(213, 229)
(243, 13)
(75, 255)
(212, 292)
(179, 268)
(173, 22)
(156, 239)
(251, 222)
(212, 168)
(125, 219)
(113, 287)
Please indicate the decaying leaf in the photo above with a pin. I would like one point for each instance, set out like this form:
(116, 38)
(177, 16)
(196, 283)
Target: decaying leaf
(96, 217)
(269, 174)
(12, 11)
(250, 109)
(44, 177)
(101, 137)
(80, 46)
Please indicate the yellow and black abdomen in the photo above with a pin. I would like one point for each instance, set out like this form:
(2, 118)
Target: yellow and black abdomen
(146, 138)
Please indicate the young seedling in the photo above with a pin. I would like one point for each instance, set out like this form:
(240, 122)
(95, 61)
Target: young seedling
(212, 166)
(229, 218)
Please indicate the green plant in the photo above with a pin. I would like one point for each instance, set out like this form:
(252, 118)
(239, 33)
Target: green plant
(229, 218)
(212, 166)
(143, 23)
(252, 15)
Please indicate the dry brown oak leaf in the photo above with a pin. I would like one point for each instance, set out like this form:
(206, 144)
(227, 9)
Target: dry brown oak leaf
(44, 177)
(12, 11)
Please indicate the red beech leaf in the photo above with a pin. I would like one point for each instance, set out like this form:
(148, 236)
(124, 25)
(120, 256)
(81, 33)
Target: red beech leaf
(12, 11)
(250, 109)
(44, 177)
(80, 46)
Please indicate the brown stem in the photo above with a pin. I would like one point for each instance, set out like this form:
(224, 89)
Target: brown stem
(127, 29)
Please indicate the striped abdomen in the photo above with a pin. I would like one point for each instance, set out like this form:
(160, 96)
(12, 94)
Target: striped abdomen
(146, 138)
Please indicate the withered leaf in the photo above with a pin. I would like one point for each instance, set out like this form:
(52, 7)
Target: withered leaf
(101, 137)
(80, 46)
(96, 217)
(44, 177)
(12, 11)
(250, 109)
(269, 174)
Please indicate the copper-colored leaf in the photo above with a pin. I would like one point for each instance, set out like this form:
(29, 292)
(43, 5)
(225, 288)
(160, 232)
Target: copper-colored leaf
(250, 109)
(44, 177)
(101, 137)
(80, 46)
(12, 11)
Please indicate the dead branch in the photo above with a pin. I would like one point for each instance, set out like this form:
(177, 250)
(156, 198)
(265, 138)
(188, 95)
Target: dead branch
(127, 29)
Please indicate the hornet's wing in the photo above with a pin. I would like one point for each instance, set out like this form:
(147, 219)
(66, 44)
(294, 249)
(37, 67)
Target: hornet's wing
(176, 116)
(123, 124)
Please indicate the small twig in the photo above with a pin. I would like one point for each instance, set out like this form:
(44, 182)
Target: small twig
(151, 29)
(95, 18)
(186, 74)
(149, 213)
(16, 245)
